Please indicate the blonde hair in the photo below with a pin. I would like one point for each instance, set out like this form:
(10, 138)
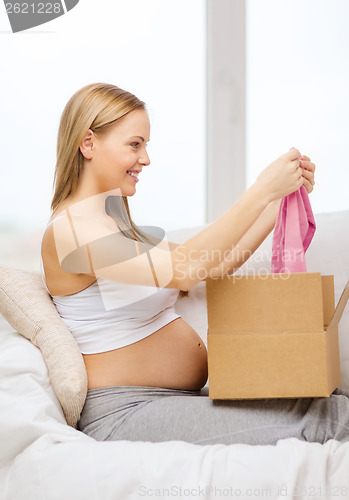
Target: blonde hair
(98, 107)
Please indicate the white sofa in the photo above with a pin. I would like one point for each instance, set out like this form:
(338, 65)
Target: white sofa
(42, 457)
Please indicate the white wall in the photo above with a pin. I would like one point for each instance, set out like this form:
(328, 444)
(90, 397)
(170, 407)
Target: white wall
(155, 49)
(298, 90)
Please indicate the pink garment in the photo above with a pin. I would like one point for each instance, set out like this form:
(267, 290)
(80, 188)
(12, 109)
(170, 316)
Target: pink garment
(294, 230)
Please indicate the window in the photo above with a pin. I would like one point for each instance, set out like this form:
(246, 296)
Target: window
(297, 90)
(155, 49)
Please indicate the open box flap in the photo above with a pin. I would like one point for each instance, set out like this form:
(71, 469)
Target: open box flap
(340, 307)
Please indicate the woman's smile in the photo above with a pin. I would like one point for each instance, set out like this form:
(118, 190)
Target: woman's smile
(133, 174)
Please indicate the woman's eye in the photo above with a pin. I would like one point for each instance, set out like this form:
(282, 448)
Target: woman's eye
(134, 144)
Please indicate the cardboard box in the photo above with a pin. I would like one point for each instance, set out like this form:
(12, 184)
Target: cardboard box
(273, 336)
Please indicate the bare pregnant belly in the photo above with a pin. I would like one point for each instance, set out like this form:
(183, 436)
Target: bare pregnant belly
(174, 357)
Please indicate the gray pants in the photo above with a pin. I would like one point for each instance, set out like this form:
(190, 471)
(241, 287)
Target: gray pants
(140, 413)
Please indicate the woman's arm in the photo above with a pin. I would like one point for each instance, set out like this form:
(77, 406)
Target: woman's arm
(263, 226)
(84, 245)
(249, 243)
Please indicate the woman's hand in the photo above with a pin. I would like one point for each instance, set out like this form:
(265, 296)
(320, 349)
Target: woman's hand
(283, 176)
(308, 173)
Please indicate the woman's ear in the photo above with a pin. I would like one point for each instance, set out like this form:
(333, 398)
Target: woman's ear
(87, 146)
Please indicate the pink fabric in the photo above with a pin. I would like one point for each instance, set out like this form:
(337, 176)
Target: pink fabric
(294, 230)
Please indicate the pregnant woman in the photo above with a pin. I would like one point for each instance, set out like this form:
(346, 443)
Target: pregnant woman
(115, 286)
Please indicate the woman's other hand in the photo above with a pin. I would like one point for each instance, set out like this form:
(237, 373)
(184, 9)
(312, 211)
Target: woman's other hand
(308, 173)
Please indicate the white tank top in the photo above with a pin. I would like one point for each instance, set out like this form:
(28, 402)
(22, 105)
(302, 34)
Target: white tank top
(108, 315)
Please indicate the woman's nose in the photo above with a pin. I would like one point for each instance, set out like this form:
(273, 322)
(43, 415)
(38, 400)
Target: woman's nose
(144, 159)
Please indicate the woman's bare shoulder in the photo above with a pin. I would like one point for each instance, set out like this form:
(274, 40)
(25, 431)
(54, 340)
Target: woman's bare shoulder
(59, 281)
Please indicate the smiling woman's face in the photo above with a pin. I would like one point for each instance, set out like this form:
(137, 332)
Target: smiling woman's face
(110, 157)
